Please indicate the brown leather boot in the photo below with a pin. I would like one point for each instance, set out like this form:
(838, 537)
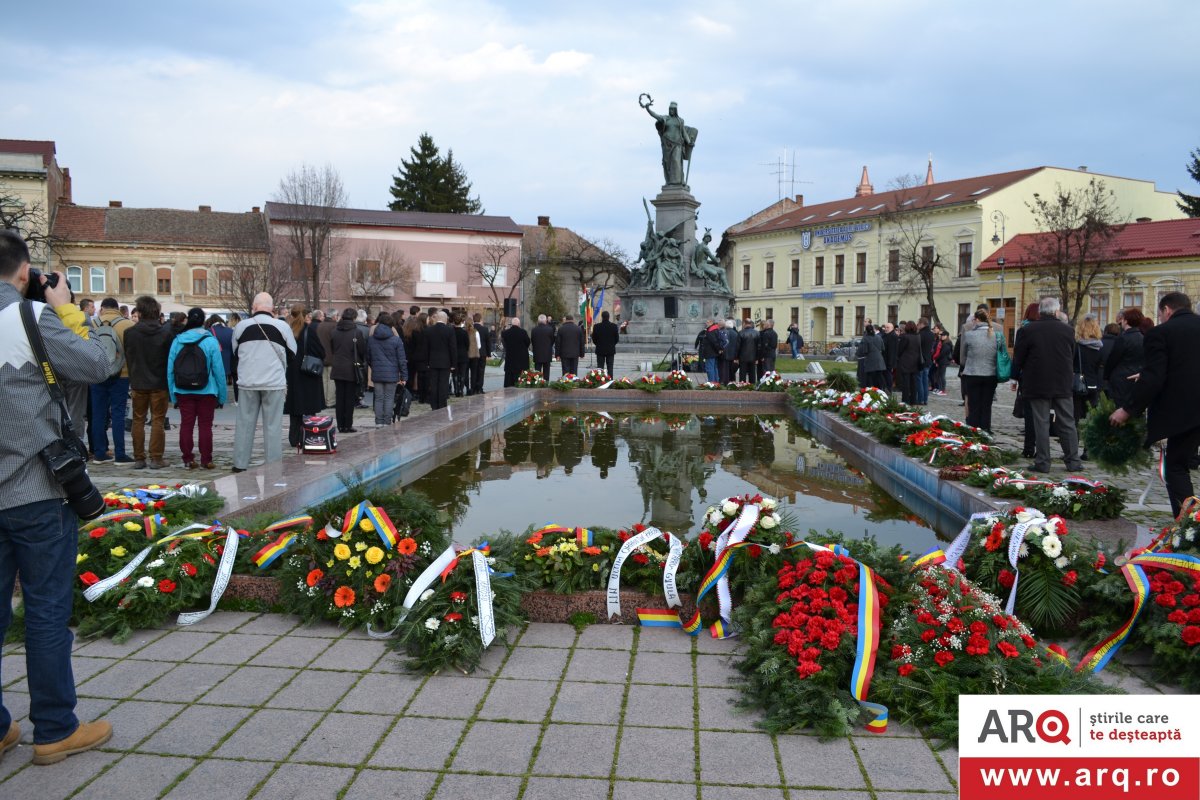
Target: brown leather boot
(11, 739)
(85, 737)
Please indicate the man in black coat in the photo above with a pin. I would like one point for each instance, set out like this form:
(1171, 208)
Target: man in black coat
(928, 340)
(484, 337)
(891, 344)
(768, 346)
(443, 358)
(1168, 386)
(1044, 359)
(542, 339)
(570, 342)
(516, 352)
(605, 335)
(748, 352)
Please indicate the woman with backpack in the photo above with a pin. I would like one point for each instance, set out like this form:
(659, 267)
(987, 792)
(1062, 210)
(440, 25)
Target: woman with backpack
(196, 383)
(305, 391)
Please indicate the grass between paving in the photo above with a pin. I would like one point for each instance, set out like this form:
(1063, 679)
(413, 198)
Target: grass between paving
(328, 637)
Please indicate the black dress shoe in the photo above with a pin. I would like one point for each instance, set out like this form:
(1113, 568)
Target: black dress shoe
(238, 469)
(349, 430)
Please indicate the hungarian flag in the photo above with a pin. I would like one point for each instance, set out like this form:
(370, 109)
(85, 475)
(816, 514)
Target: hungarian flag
(585, 307)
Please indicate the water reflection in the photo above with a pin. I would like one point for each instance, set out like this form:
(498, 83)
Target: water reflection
(588, 468)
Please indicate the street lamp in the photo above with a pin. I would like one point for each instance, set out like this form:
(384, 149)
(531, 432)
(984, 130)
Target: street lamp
(998, 218)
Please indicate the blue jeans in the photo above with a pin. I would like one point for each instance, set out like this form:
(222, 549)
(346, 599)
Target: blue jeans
(795, 350)
(710, 369)
(922, 386)
(109, 399)
(38, 541)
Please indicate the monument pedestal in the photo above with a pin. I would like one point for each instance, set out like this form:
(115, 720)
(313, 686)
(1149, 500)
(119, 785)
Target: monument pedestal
(658, 317)
(675, 215)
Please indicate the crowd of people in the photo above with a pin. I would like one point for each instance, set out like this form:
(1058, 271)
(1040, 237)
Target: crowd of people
(729, 354)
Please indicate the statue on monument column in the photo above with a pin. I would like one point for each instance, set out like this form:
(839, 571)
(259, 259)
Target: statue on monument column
(706, 266)
(677, 141)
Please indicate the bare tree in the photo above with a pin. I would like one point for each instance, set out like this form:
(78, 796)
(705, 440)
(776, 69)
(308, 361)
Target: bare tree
(316, 197)
(600, 263)
(921, 261)
(492, 262)
(31, 220)
(379, 272)
(1074, 245)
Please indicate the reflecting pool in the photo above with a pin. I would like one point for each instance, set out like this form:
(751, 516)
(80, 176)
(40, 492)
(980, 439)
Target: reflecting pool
(614, 469)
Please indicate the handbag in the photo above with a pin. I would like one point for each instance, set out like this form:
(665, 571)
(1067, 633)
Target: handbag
(403, 401)
(360, 369)
(1019, 405)
(1079, 386)
(1003, 362)
(310, 365)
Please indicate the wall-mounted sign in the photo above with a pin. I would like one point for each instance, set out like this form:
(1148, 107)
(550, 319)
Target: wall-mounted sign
(816, 296)
(834, 234)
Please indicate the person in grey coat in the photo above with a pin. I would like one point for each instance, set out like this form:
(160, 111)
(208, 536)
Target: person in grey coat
(389, 367)
(978, 351)
(870, 355)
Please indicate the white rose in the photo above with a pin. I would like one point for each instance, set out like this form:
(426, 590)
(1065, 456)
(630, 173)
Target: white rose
(425, 595)
(714, 517)
(768, 504)
(1061, 492)
(768, 522)
(1052, 546)
(433, 624)
(1020, 486)
(774, 549)
(145, 581)
(1025, 516)
(1061, 562)
(158, 562)
(729, 508)
(1034, 530)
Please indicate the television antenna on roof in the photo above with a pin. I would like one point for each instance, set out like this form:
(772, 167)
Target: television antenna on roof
(785, 173)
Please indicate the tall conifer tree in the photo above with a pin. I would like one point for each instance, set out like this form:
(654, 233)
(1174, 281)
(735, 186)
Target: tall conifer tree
(1190, 203)
(428, 182)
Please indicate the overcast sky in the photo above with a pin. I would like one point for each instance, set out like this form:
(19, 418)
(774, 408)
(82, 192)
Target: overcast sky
(177, 104)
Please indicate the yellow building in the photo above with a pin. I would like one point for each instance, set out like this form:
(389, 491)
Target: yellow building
(832, 267)
(32, 185)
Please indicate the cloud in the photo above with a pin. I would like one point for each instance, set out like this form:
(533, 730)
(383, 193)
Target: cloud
(709, 27)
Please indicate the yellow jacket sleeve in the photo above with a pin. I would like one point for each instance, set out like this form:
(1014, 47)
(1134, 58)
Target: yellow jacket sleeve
(73, 319)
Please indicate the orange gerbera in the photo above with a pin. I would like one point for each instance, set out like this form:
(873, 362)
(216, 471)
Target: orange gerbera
(532, 540)
(383, 582)
(406, 546)
(343, 597)
(313, 577)
(543, 552)
(591, 551)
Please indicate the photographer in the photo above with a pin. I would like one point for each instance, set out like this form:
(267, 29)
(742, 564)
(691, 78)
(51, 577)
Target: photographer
(37, 529)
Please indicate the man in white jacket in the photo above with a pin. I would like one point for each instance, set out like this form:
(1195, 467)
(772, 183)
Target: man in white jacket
(262, 346)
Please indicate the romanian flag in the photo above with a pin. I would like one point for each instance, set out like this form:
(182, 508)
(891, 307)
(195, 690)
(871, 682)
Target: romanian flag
(584, 537)
(658, 618)
(355, 516)
(274, 550)
(290, 522)
(933, 557)
(154, 525)
(383, 526)
(869, 622)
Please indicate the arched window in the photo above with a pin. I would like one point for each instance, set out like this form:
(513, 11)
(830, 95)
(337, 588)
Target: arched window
(75, 278)
(96, 280)
(164, 281)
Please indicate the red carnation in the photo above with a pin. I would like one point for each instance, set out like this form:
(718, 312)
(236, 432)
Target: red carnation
(1008, 649)
(188, 569)
(754, 550)
(97, 533)
(928, 635)
(453, 616)
(88, 578)
(1191, 635)
(705, 540)
(1165, 600)
(1191, 600)
(1194, 615)
(943, 657)
(1100, 559)
(641, 558)
(1006, 579)
(817, 576)
(905, 670)
(1001, 621)
(1178, 616)
(955, 625)
(1070, 578)
(1027, 640)
(978, 627)
(166, 586)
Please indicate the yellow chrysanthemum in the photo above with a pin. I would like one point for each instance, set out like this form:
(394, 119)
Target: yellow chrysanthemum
(360, 546)
(118, 551)
(366, 525)
(355, 562)
(374, 555)
(341, 552)
(595, 567)
(82, 557)
(329, 563)
(132, 526)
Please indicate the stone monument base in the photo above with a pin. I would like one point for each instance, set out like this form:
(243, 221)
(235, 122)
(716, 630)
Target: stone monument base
(659, 317)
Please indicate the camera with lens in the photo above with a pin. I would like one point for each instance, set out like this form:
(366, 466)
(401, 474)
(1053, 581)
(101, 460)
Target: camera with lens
(70, 470)
(36, 291)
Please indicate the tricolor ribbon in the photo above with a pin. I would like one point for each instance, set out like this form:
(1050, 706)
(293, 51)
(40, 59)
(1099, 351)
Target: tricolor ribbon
(111, 516)
(267, 556)
(383, 526)
(584, 537)
(289, 522)
(670, 591)
(195, 531)
(355, 516)
(932, 558)
(153, 524)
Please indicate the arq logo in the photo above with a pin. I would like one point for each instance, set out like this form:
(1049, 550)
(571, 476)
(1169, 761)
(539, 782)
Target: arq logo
(1051, 727)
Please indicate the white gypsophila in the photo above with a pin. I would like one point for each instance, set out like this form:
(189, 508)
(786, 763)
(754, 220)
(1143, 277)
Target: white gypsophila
(1061, 562)
(432, 624)
(714, 517)
(426, 548)
(425, 595)
(145, 581)
(491, 561)
(768, 504)
(475, 621)
(1061, 492)
(451, 638)
(774, 549)
(1190, 535)
(729, 508)
(768, 522)
(156, 563)
(1023, 550)
(347, 612)
(294, 561)
(300, 584)
(1052, 546)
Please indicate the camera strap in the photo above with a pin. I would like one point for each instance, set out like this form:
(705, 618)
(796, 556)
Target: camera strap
(34, 334)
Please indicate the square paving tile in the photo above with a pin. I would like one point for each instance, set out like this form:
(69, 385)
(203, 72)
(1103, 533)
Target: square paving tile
(738, 758)
(418, 743)
(716, 671)
(589, 702)
(305, 782)
(218, 778)
(456, 787)
(377, 693)
(717, 710)
(319, 630)
(638, 744)
(37, 783)
(176, 646)
(107, 648)
(14, 668)
(663, 640)
(233, 648)
(313, 690)
(17, 703)
(346, 654)
(674, 669)
(124, 680)
(343, 739)
(559, 788)
(373, 784)
(524, 701)
(497, 747)
(223, 621)
(196, 731)
(546, 634)
(708, 792)
(287, 651)
(270, 624)
(186, 682)
(949, 757)
(249, 686)
(535, 663)
(655, 706)
(584, 750)
(610, 666)
(137, 777)
(82, 667)
(448, 697)
(134, 720)
(640, 790)
(269, 735)
(807, 761)
(901, 764)
(607, 637)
